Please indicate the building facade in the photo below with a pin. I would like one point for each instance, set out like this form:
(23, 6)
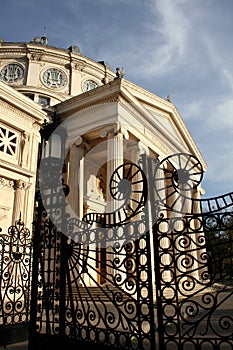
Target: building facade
(109, 123)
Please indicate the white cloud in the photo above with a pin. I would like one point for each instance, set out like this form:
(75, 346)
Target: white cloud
(221, 119)
(216, 57)
(172, 28)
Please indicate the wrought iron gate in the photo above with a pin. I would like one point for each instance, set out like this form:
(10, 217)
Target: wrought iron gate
(193, 243)
(156, 274)
(15, 274)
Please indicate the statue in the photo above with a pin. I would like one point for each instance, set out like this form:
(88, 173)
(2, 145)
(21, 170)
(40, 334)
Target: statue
(119, 73)
(24, 149)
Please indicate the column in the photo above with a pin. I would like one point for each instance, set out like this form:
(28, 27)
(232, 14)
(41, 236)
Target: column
(114, 159)
(76, 177)
(76, 184)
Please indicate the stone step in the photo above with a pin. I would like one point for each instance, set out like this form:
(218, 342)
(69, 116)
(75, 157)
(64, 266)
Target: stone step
(99, 293)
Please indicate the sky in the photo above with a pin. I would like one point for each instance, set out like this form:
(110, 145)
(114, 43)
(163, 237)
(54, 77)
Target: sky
(181, 48)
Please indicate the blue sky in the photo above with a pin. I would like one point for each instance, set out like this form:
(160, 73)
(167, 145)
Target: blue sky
(181, 48)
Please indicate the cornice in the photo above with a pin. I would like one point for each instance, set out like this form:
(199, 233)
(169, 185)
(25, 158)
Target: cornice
(88, 104)
(20, 104)
(6, 107)
(152, 100)
(16, 169)
(50, 54)
(140, 93)
(103, 94)
(58, 95)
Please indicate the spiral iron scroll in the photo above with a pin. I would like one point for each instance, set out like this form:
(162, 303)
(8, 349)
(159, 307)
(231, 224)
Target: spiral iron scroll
(15, 272)
(128, 183)
(177, 178)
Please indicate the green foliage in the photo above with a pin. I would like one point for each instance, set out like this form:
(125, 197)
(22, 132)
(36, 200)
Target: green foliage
(219, 244)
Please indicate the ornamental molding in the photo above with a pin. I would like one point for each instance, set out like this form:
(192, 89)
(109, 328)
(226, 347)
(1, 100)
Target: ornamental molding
(77, 65)
(149, 94)
(8, 54)
(22, 185)
(20, 61)
(6, 183)
(55, 59)
(80, 142)
(8, 109)
(85, 105)
(94, 73)
(114, 130)
(35, 56)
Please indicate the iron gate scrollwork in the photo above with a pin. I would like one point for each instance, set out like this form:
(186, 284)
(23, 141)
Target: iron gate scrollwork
(194, 251)
(15, 283)
(93, 285)
(155, 274)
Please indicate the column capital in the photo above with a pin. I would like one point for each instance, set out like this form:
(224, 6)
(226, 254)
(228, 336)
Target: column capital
(200, 190)
(143, 148)
(22, 185)
(80, 142)
(113, 130)
(6, 183)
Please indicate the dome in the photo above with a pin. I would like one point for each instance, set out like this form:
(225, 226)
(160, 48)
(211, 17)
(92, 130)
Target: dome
(47, 74)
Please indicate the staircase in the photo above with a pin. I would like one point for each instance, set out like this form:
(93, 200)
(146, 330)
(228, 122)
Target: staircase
(104, 293)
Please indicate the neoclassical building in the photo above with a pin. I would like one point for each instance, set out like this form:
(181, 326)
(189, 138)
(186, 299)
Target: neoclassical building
(34, 77)
(108, 120)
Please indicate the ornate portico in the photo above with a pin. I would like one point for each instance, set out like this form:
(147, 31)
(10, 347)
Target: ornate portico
(109, 128)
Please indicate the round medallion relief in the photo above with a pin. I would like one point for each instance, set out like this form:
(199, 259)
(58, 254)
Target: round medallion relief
(12, 73)
(89, 85)
(54, 78)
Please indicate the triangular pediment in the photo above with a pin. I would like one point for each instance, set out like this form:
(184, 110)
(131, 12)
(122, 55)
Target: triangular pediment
(152, 120)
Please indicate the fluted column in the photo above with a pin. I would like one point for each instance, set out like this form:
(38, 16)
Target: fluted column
(76, 184)
(76, 177)
(114, 159)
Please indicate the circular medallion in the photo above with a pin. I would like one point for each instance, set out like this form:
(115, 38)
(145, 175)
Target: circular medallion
(12, 73)
(54, 78)
(89, 85)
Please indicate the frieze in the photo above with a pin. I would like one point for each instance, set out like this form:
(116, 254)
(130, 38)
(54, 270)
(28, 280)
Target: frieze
(77, 66)
(84, 108)
(7, 109)
(35, 56)
(56, 59)
(7, 55)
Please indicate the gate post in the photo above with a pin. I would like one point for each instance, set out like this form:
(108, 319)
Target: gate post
(36, 239)
(154, 212)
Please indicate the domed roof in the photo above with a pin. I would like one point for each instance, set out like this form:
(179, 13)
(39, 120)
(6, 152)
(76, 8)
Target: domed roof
(47, 74)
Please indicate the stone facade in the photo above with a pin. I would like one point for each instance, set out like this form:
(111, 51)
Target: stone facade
(20, 121)
(108, 120)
